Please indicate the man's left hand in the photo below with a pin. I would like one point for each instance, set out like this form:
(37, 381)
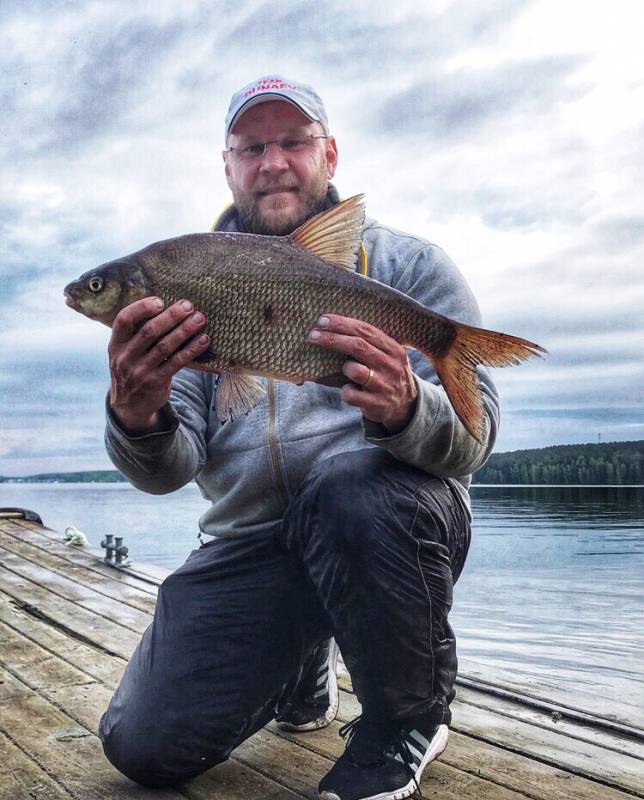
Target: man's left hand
(382, 384)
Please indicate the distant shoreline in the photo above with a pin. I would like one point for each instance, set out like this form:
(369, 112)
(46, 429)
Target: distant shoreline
(607, 464)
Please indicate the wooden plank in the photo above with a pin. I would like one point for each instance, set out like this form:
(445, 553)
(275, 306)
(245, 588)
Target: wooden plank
(236, 781)
(90, 558)
(62, 747)
(78, 622)
(546, 766)
(150, 572)
(128, 617)
(103, 584)
(74, 693)
(516, 710)
(299, 767)
(594, 703)
(613, 734)
(22, 779)
(576, 755)
(92, 662)
(499, 766)
(482, 700)
(63, 684)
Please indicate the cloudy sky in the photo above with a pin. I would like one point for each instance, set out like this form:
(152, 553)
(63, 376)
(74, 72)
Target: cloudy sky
(510, 132)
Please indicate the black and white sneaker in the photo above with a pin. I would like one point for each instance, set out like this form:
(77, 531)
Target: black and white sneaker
(314, 703)
(383, 760)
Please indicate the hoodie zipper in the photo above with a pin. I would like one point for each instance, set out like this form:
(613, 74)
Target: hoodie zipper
(275, 457)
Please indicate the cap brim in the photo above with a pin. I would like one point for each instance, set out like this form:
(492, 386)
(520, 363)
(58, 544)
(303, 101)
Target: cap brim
(263, 98)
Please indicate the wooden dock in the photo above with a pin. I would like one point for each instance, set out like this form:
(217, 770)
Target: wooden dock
(68, 623)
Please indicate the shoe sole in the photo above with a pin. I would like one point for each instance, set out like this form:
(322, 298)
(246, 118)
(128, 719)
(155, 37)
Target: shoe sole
(334, 696)
(438, 745)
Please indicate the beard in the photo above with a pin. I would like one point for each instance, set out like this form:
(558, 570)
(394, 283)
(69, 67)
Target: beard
(310, 202)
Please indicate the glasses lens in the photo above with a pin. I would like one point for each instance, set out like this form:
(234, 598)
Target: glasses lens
(290, 145)
(251, 151)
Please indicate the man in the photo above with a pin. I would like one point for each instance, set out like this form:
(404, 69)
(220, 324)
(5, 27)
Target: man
(334, 513)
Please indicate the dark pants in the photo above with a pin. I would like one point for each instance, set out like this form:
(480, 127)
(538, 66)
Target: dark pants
(368, 552)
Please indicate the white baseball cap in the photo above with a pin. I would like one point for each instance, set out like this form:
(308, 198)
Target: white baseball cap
(276, 87)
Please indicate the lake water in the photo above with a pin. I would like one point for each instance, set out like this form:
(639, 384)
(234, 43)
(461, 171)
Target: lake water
(551, 597)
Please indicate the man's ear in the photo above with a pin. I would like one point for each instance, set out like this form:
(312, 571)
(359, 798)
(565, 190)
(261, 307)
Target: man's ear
(224, 154)
(331, 155)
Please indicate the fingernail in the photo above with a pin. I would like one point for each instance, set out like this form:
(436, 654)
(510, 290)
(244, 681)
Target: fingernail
(197, 318)
(324, 322)
(203, 339)
(158, 303)
(186, 305)
(315, 334)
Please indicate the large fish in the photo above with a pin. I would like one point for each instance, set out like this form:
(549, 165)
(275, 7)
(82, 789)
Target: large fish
(262, 295)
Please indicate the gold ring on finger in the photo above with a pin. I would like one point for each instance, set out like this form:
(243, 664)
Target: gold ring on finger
(369, 377)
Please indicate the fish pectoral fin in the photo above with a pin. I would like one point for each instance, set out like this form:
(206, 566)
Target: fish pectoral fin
(334, 235)
(237, 394)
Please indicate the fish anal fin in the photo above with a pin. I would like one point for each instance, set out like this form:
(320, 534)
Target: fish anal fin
(334, 235)
(237, 394)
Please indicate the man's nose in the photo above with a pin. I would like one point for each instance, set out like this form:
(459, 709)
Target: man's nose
(274, 158)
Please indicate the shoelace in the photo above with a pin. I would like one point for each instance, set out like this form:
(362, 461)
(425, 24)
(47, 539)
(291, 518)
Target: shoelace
(349, 730)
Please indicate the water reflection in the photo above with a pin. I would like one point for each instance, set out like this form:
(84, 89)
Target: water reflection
(553, 592)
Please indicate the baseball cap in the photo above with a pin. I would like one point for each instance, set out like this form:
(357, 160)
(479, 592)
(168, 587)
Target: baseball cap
(276, 87)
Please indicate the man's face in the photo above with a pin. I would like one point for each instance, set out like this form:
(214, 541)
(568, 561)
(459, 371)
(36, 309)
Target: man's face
(277, 192)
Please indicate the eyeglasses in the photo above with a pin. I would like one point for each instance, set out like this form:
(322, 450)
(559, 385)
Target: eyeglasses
(291, 145)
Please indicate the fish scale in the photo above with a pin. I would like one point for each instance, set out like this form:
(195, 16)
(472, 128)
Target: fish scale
(261, 320)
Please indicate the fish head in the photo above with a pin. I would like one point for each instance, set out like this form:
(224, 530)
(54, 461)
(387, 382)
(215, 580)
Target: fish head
(102, 292)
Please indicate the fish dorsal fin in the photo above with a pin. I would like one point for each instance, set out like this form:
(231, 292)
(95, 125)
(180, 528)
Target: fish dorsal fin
(334, 235)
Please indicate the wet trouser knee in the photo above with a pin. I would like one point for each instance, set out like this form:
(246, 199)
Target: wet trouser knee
(230, 630)
(383, 544)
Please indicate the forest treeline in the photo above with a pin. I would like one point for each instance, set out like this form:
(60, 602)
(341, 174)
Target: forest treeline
(604, 464)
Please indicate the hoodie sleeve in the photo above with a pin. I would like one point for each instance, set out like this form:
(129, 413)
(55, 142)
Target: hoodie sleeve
(435, 440)
(166, 460)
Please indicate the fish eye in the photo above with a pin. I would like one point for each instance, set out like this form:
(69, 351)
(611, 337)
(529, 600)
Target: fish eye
(95, 284)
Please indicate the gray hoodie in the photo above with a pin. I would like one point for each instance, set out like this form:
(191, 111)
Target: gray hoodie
(249, 468)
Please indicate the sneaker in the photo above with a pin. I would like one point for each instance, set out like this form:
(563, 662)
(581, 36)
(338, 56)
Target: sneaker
(383, 760)
(314, 703)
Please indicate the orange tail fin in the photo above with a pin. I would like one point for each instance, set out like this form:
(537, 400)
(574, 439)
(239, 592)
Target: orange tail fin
(457, 369)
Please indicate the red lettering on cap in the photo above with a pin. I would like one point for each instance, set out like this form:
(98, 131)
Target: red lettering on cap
(267, 86)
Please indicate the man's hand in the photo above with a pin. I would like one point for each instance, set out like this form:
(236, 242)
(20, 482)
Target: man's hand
(382, 385)
(148, 345)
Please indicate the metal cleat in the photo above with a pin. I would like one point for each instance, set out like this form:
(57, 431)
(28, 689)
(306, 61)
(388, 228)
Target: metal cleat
(115, 551)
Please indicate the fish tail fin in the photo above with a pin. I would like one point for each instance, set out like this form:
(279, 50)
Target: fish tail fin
(456, 369)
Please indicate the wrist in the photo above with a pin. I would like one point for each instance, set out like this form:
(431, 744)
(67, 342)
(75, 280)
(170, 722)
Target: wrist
(136, 424)
(396, 424)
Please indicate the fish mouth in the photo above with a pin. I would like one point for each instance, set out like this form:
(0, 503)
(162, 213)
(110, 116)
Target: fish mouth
(70, 300)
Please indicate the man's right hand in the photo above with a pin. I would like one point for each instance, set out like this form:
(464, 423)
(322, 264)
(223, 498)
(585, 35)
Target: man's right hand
(148, 345)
